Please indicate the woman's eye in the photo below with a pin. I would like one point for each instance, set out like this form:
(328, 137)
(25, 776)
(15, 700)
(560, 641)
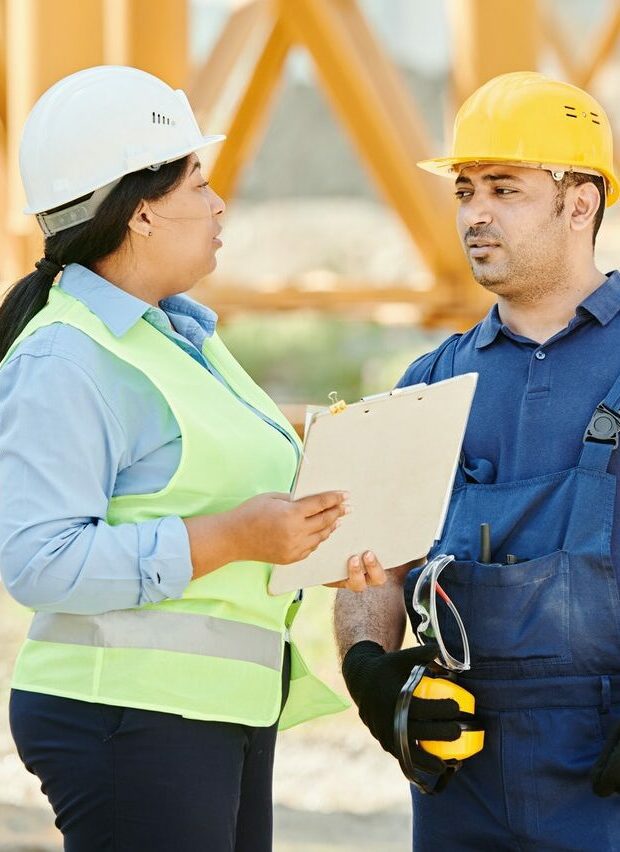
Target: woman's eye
(202, 185)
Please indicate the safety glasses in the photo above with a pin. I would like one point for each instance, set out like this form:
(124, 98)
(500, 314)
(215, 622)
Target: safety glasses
(439, 618)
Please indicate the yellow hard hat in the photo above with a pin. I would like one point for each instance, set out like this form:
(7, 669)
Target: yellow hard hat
(526, 119)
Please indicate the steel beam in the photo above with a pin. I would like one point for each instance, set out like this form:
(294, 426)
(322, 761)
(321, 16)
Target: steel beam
(411, 128)
(211, 80)
(584, 74)
(604, 42)
(552, 32)
(150, 36)
(250, 117)
(491, 37)
(228, 298)
(44, 42)
(366, 107)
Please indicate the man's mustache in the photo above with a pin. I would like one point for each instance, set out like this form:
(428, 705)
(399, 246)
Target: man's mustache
(482, 234)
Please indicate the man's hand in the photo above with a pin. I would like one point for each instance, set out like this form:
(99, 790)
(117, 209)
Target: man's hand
(364, 571)
(374, 678)
(606, 772)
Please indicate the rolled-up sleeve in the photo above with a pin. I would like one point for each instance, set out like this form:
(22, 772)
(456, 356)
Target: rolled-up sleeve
(61, 448)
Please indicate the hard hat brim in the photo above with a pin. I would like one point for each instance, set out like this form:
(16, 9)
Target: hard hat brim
(448, 166)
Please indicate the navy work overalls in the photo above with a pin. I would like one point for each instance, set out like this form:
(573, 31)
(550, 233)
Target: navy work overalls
(544, 636)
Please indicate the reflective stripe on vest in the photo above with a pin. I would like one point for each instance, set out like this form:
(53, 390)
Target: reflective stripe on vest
(164, 631)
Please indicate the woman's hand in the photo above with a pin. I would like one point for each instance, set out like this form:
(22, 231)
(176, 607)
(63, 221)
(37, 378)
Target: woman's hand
(364, 571)
(267, 528)
(274, 528)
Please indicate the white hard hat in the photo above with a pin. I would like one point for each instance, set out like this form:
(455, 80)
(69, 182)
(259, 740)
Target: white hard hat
(90, 129)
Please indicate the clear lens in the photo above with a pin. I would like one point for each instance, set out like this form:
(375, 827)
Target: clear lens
(440, 620)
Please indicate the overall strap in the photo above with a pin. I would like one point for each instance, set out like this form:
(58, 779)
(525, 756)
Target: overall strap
(442, 368)
(442, 363)
(601, 437)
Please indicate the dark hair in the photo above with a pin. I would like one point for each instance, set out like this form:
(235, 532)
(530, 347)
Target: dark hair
(577, 179)
(86, 244)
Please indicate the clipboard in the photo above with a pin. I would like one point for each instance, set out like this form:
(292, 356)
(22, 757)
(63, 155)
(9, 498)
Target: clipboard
(397, 454)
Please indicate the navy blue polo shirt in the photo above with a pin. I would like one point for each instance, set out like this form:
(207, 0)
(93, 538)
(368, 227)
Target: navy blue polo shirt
(534, 401)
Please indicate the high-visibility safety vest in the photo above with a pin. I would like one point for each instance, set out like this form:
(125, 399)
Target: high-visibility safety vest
(216, 653)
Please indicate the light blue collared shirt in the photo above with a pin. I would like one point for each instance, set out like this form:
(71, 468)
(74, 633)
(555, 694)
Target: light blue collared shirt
(77, 427)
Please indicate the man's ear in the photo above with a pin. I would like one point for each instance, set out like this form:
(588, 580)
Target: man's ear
(141, 220)
(585, 204)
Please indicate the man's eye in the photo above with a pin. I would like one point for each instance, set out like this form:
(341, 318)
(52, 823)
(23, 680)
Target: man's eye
(462, 193)
(504, 190)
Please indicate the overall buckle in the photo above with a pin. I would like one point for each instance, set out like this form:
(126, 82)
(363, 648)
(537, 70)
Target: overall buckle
(604, 427)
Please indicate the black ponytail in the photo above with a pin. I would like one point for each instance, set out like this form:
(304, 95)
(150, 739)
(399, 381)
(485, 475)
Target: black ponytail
(85, 244)
(21, 303)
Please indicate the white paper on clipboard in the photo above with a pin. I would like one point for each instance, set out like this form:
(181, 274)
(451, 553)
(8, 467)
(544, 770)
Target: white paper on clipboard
(397, 454)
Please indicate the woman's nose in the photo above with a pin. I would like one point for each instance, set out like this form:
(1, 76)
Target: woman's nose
(217, 204)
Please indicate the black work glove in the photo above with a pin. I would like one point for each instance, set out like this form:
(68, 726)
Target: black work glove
(606, 770)
(374, 678)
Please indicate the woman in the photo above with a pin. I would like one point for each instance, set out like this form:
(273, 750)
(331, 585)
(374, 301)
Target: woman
(145, 494)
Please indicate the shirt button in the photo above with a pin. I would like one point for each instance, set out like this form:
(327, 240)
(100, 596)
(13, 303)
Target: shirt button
(541, 356)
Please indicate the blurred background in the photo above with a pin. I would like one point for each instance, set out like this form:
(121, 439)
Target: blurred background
(340, 262)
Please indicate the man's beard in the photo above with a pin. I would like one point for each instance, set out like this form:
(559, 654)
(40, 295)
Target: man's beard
(521, 280)
(526, 272)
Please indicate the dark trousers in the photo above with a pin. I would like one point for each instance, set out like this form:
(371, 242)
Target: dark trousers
(125, 780)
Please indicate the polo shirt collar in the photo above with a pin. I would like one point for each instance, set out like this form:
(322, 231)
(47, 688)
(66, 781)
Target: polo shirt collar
(603, 304)
(489, 328)
(118, 309)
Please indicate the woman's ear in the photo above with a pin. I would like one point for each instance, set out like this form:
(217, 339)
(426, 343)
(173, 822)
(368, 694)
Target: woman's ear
(141, 220)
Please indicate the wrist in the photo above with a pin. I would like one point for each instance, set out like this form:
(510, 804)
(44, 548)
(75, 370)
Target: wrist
(239, 541)
(355, 664)
(213, 542)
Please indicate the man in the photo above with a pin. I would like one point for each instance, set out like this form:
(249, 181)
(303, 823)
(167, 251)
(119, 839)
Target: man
(533, 169)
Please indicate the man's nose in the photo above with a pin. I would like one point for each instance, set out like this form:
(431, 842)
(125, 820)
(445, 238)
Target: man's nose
(475, 213)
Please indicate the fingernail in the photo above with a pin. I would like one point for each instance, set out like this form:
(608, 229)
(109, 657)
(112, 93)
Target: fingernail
(345, 495)
(355, 561)
(347, 509)
(338, 522)
(369, 556)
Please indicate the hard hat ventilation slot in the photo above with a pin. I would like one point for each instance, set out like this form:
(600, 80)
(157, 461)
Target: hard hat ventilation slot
(158, 118)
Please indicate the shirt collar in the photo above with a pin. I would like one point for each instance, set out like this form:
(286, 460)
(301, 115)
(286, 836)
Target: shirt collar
(603, 304)
(489, 328)
(184, 310)
(120, 310)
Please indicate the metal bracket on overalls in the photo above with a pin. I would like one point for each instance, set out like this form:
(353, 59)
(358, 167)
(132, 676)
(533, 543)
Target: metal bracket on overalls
(604, 427)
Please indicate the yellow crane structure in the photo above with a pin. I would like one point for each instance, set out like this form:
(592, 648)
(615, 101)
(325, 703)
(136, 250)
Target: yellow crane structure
(233, 89)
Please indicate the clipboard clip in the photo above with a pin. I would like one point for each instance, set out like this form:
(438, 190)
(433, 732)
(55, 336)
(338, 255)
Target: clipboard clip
(337, 405)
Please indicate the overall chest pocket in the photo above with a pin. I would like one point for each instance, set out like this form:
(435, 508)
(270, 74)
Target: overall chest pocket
(516, 616)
